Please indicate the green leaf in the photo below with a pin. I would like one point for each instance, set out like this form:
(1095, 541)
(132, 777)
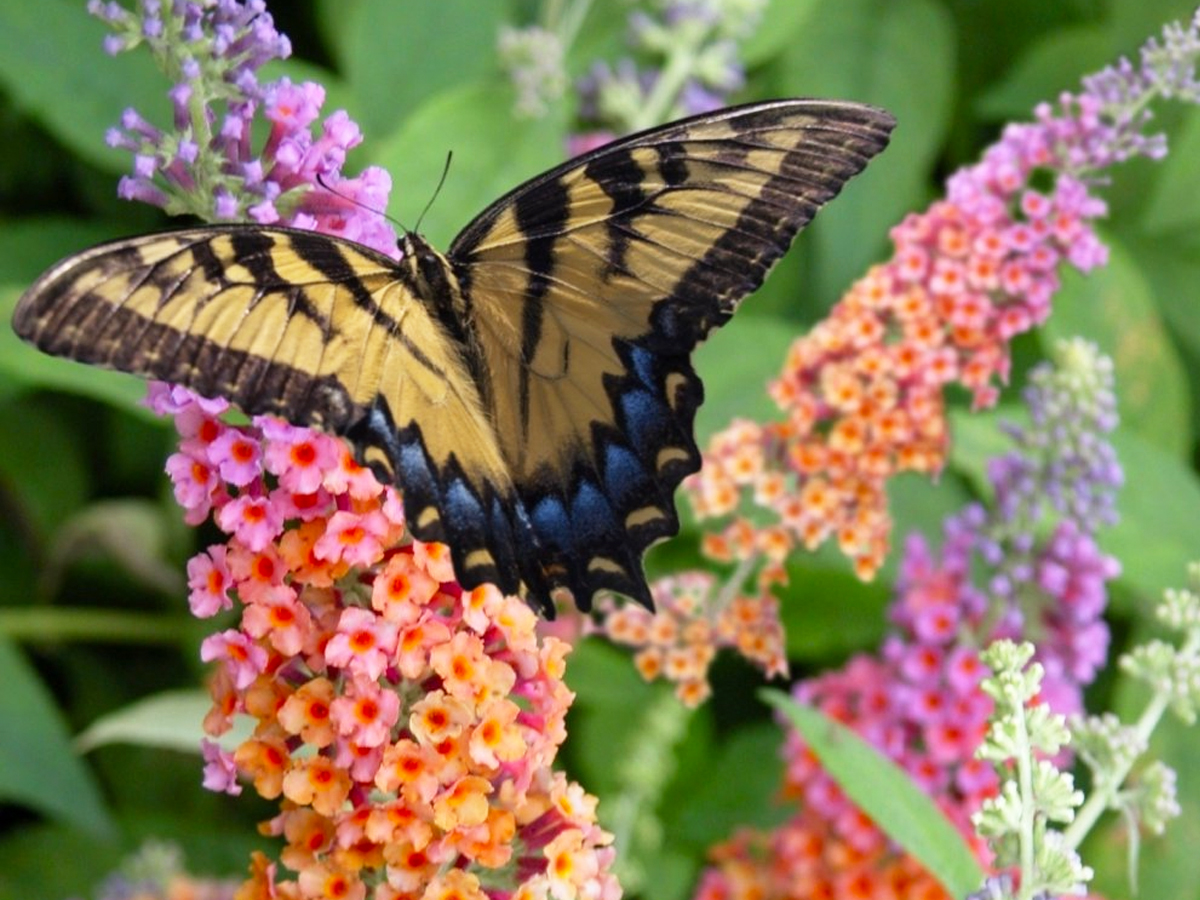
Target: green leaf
(738, 788)
(1172, 206)
(605, 718)
(736, 364)
(1156, 537)
(719, 787)
(44, 860)
(827, 612)
(895, 53)
(42, 466)
(1172, 265)
(782, 20)
(32, 245)
(1050, 65)
(171, 720)
(32, 369)
(1134, 21)
(53, 65)
(37, 766)
(1114, 306)
(492, 154)
(920, 503)
(604, 35)
(131, 532)
(335, 21)
(885, 793)
(396, 55)
(976, 439)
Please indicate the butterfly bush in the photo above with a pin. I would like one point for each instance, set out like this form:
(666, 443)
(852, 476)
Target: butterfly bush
(407, 727)
(206, 165)
(1024, 566)
(862, 394)
(683, 61)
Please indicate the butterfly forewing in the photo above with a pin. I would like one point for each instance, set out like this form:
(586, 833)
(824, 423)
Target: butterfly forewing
(317, 330)
(593, 283)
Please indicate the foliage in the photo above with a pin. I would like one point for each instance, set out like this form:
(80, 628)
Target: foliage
(89, 623)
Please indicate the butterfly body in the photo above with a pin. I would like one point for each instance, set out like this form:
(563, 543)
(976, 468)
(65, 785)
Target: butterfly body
(531, 390)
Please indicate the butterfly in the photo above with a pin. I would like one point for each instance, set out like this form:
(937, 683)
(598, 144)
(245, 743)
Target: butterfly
(531, 391)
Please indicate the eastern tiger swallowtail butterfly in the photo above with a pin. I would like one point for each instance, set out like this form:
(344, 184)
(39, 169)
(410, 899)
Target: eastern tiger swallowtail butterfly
(531, 391)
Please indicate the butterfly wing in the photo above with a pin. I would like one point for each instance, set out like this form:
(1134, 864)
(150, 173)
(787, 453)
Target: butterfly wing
(317, 330)
(590, 286)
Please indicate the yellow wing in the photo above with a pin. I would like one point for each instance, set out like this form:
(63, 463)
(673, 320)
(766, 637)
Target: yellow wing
(319, 331)
(591, 284)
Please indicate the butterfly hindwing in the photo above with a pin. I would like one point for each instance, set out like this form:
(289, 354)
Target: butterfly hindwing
(591, 284)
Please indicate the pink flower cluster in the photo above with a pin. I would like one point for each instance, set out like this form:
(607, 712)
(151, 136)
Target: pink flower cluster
(408, 727)
(862, 393)
(919, 701)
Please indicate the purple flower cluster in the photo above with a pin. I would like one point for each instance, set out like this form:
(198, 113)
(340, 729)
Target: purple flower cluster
(1061, 480)
(1027, 567)
(686, 63)
(1079, 471)
(206, 164)
(1107, 123)
(239, 31)
(1120, 92)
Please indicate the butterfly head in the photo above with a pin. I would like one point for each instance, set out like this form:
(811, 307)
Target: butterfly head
(430, 273)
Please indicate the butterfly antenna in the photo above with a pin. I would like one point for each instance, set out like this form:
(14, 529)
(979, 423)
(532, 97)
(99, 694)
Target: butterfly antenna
(437, 190)
(325, 185)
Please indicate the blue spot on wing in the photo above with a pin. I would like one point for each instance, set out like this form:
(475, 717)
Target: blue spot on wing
(550, 519)
(464, 514)
(592, 516)
(642, 365)
(624, 474)
(561, 528)
(643, 416)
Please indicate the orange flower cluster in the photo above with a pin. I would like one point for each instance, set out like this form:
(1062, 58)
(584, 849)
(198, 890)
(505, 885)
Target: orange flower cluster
(863, 392)
(407, 727)
(679, 640)
(804, 862)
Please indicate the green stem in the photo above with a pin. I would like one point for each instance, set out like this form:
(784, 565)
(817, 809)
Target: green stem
(60, 624)
(567, 22)
(1146, 723)
(1025, 836)
(731, 588)
(666, 89)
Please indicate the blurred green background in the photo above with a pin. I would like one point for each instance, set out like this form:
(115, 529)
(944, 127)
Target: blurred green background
(92, 551)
